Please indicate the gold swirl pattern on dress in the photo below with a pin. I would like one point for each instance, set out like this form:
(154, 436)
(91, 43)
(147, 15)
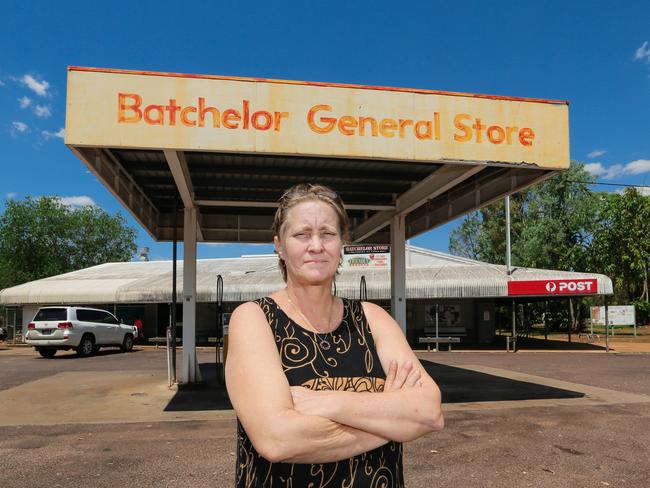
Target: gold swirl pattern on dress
(306, 364)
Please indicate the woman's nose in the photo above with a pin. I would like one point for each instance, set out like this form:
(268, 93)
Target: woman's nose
(315, 243)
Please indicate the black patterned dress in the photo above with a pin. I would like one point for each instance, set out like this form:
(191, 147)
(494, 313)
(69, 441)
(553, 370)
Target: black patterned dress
(350, 364)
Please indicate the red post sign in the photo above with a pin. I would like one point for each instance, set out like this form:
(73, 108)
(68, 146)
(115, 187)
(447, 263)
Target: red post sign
(553, 287)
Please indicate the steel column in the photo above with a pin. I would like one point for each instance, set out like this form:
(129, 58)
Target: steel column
(190, 369)
(398, 270)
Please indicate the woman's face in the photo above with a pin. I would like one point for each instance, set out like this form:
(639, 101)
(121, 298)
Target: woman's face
(310, 243)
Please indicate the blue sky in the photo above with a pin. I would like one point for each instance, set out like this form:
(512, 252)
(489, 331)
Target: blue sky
(594, 54)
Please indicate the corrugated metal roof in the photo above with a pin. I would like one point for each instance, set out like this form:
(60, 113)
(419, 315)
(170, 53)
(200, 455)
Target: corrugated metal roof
(431, 275)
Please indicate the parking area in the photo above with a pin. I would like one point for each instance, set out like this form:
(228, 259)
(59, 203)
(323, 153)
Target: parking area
(542, 419)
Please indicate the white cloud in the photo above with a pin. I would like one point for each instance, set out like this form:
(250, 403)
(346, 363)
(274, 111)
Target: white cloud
(595, 169)
(77, 201)
(42, 111)
(643, 52)
(38, 87)
(595, 153)
(2, 83)
(25, 102)
(49, 135)
(18, 128)
(11, 196)
(636, 167)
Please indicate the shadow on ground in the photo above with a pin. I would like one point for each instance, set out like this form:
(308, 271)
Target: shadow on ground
(464, 385)
(209, 395)
(457, 385)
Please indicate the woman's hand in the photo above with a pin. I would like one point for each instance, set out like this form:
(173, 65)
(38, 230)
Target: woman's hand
(403, 377)
(309, 402)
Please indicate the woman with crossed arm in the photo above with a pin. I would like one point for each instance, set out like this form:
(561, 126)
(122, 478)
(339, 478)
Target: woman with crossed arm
(325, 389)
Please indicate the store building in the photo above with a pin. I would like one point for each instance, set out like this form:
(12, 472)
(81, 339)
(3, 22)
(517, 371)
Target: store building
(465, 291)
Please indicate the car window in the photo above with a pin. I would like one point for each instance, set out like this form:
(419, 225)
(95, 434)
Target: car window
(108, 318)
(86, 315)
(51, 314)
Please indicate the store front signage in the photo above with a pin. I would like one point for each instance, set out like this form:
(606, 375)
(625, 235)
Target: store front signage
(366, 256)
(553, 287)
(172, 111)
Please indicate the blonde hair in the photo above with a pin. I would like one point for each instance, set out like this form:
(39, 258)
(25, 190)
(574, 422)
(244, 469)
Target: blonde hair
(304, 192)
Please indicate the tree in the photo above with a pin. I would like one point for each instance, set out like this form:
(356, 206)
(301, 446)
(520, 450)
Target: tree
(41, 237)
(621, 247)
(552, 225)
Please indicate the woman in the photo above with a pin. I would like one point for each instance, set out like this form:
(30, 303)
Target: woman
(325, 389)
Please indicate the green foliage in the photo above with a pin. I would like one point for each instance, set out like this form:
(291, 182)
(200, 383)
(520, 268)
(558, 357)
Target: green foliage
(562, 224)
(551, 225)
(41, 237)
(621, 247)
(642, 309)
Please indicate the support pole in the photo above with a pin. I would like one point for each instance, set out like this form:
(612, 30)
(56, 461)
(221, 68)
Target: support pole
(189, 369)
(570, 317)
(172, 306)
(606, 323)
(514, 325)
(437, 314)
(508, 253)
(398, 270)
(546, 320)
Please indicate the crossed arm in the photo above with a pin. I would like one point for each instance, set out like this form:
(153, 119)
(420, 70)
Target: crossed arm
(297, 425)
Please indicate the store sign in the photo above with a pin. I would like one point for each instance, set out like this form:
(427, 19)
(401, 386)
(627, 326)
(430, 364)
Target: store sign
(147, 110)
(366, 256)
(553, 287)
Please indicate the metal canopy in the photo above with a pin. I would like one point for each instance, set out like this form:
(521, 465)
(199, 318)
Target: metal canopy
(228, 147)
(236, 194)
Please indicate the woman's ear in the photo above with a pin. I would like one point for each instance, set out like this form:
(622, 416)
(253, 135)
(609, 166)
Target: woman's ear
(278, 246)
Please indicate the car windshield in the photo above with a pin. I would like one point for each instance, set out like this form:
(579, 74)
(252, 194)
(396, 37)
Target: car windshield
(51, 314)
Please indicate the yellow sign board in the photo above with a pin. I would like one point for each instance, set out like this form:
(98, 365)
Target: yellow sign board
(124, 109)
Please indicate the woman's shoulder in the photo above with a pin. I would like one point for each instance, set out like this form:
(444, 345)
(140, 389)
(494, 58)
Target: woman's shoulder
(250, 313)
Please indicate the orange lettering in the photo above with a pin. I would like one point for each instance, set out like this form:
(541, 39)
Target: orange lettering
(478, 127)
(267, 122)
(526, 136)
(231, 118)
(427, 129)
(172, 108)
(500, 134)
(328, 121)
(186, 121)
(460, 126)
(509, 131)
(402, 125)
(246, 104)
(347, 125)
(278, 118)
(123, 106)
(387, 127)
(159, 120)
(203, 110)
(362, 127)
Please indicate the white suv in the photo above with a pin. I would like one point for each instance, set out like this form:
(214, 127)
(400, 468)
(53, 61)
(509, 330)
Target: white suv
(80, 328)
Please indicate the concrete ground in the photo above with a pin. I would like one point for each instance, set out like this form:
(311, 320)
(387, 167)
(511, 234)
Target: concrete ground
(540, 419)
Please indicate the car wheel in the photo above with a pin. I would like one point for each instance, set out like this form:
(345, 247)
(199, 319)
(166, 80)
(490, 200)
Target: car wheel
(96, 349)
(46, 352)
(86, 346)
(127, 343)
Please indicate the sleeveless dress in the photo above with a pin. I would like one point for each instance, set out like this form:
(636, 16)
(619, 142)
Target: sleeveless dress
(351, 363)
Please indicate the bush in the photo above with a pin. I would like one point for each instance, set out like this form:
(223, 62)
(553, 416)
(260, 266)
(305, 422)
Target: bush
(642, 309)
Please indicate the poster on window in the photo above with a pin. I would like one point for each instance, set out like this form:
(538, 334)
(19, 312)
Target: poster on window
(448, 316)
(366, 256)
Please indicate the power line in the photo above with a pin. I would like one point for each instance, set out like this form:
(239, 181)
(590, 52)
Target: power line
(608, 184)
